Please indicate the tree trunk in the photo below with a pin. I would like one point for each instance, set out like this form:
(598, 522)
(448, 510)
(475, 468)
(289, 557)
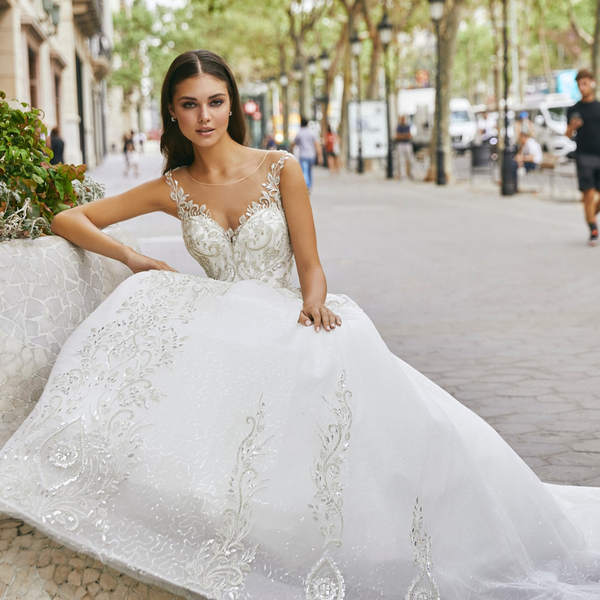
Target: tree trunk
(448, 31)
(596, 45)
(351, 11)
(496, 66)
(344, 132)
(544, 45)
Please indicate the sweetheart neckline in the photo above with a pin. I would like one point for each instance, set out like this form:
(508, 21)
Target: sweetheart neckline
(230, 233)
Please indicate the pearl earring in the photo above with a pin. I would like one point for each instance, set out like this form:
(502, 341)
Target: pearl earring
(230, 112)
(173, 119)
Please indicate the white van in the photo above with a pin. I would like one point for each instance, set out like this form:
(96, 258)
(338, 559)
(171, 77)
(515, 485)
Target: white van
(549, 117)
(463, 125)
(419, 106)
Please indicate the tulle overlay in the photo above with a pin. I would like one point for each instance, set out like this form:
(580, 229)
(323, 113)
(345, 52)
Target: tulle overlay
(194, 434)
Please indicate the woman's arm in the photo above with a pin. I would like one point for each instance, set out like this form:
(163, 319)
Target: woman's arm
(298, 211)
(82, 224)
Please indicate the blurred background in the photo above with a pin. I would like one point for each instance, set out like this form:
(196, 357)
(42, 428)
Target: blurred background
(95, 68)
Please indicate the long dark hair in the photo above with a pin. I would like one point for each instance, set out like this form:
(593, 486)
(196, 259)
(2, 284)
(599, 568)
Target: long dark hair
(175, 147)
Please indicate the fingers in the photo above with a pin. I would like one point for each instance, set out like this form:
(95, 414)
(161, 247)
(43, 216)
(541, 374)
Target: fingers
(320, 316)
(304, 319)
(316, 317)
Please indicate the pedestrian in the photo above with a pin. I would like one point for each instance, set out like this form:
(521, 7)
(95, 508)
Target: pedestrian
(141, 140)
(308, 149)
(487, 127)
(584, 127)
(126, 139)
(528, 158)
(404, 148)
(332, 150)
(132, 158)
(268, 142)
(57, 145)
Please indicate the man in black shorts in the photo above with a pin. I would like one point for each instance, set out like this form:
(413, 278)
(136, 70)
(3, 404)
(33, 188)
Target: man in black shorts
(584, 123)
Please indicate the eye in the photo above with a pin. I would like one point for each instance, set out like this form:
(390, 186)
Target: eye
(217, 102)
(189, 104)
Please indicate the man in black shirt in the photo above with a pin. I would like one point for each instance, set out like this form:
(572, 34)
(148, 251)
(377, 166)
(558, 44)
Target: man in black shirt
(584, 123)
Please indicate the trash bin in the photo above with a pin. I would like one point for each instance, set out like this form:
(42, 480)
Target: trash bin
(481, 155)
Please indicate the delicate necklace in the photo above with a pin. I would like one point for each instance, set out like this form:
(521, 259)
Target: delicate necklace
(230, 182)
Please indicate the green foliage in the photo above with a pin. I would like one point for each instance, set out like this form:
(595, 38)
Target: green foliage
(32, 190)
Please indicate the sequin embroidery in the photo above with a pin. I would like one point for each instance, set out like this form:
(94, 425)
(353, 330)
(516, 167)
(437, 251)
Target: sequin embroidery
(222, 563)
(423, 586)
(325, 581)
(259, 248)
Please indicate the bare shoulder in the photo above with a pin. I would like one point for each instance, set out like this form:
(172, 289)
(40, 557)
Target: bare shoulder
(156, 193)
(288, 167)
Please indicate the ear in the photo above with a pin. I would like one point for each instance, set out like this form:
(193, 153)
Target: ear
(171, 111)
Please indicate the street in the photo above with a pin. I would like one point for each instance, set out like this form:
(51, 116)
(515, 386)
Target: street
(495, 299)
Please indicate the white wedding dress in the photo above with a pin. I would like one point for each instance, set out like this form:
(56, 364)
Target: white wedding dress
(193, 434)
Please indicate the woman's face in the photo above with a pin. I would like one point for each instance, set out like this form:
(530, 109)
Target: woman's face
(201, 106)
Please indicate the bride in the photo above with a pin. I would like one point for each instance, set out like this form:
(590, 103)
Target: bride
(237, 438)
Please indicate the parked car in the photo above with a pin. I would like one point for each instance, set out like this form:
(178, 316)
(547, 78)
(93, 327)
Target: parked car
(464, 130)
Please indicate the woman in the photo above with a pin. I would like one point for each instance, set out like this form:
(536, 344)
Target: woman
(229, 437)
(332, 150)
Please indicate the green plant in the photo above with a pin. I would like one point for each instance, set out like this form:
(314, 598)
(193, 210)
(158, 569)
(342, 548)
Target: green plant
(32, 189)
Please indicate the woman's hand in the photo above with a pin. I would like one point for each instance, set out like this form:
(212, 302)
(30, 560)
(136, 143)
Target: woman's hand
(320, 316)
(139, 262)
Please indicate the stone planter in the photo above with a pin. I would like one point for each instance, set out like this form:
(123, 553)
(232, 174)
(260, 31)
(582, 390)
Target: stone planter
(47, 288)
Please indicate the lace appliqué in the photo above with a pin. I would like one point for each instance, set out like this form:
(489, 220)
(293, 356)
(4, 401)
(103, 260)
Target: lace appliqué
(81, 463)
(221, 563)
(259, 248)
(423, 586)
(325, 582)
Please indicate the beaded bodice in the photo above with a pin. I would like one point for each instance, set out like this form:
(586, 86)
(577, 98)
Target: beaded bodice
(258, 248)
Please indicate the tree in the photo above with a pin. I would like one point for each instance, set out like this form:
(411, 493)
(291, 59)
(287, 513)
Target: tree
(449, 25)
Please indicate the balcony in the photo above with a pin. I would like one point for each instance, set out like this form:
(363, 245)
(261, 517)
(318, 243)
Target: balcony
(88, 16)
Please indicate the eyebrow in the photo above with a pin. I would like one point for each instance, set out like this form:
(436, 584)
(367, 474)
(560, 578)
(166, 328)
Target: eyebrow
(210, 97)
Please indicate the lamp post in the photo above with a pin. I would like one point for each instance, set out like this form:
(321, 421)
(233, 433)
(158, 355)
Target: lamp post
(355, 46)
(436, 8)
(311, 67)
(325, 64)
(385, 31)
(298, 76)
(284, 81)
(509, 184)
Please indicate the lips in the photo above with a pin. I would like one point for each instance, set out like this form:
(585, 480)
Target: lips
(204, 131)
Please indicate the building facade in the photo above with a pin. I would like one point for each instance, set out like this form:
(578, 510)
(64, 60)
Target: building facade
(55, 55)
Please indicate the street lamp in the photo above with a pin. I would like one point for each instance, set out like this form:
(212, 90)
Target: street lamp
(325, 61)
(436, 8)
(385, 31)
(298, 76)
(284, 81)
(509, 183)
(355, 46)
(311, 67)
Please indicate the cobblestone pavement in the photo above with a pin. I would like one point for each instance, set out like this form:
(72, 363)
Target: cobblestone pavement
(495, 299)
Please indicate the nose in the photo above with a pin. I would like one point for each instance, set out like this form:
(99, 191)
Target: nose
(204, 114)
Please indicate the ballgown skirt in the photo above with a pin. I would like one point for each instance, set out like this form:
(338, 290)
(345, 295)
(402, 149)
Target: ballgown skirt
(193, 434)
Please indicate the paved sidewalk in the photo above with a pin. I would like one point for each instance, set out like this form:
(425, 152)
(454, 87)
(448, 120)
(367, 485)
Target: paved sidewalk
(495, 299)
